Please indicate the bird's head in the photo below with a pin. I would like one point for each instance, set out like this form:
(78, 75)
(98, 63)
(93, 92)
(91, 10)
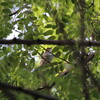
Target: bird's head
(48, 49)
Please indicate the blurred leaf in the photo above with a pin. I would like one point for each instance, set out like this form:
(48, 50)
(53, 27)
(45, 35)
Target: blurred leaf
(52, 37)
(61, 68)
(55, 49)
(49, 32)
(74, 1)
(48, 26)
(4, 3)
(6, 10)
(58, 54)
(34, 52)
(9, 25)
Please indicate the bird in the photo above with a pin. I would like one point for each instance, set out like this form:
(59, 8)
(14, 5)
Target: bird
(45, 58)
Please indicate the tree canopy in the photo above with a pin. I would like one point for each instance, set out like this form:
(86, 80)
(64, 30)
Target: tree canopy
(71, 28)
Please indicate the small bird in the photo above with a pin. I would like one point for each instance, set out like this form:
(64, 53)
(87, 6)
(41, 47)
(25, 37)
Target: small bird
(47, 57)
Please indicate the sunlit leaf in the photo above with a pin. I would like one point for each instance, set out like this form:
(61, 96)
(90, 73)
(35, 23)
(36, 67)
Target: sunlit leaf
(49, 32)
(52, 37)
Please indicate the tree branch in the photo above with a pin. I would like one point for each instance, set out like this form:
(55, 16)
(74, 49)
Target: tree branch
(50, 42)
(46, 87)
(26, 91)
(82, 50)
(17, 11)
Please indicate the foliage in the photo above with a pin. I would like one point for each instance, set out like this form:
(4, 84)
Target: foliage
(54, 20)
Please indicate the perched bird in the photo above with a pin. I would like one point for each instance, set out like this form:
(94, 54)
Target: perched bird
(46, 57)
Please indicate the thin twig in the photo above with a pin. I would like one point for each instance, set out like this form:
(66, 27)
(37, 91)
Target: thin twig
(19, 10)
(46, 87)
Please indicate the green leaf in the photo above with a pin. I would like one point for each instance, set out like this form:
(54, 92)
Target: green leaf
(9, 25)
(65, 19)
(32, 62)
(54, 26)
(34, 52)
(48, 26)
(49, 32)
(58, 54)
(6, 10)
(55, 49)
(4, 4)
(56, 69)
(25, 53)
(61, 68)
(34, 18)
(74, 1)
(51, 37)
(4, 49)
